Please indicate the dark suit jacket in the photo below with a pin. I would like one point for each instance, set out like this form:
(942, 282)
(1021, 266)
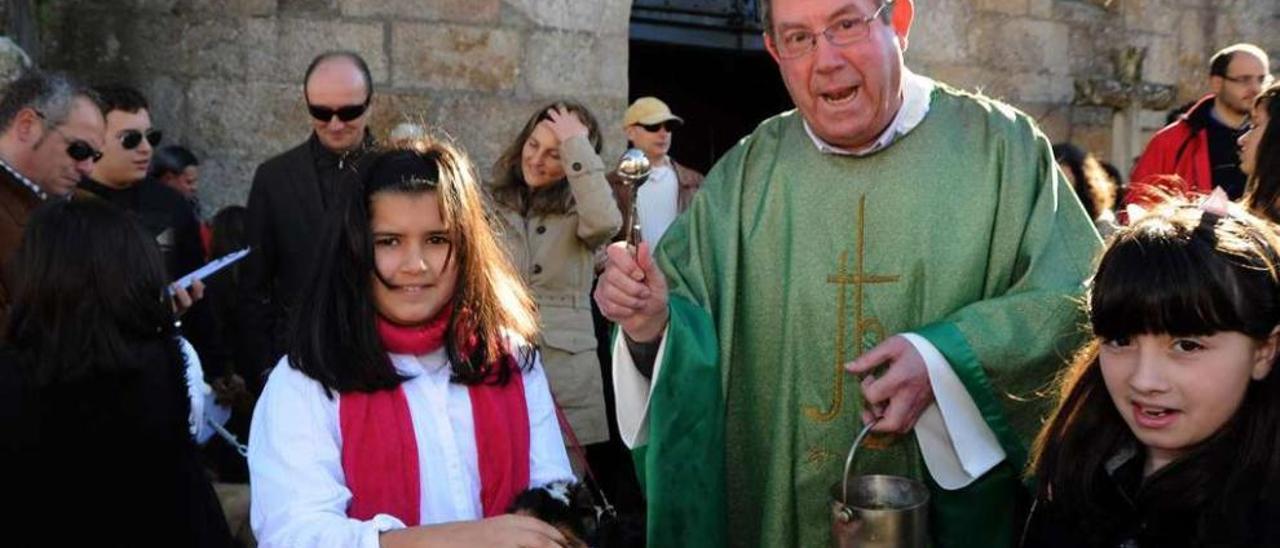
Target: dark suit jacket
(286, 212)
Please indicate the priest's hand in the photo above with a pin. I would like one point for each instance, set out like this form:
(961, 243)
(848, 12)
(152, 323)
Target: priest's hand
(632, 292)
(505, 531)
(902, 391)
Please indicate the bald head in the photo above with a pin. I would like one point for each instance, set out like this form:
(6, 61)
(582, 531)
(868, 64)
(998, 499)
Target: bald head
(338, 85)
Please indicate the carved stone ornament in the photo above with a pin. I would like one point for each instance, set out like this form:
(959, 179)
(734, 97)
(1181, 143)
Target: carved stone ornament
(1125, 88)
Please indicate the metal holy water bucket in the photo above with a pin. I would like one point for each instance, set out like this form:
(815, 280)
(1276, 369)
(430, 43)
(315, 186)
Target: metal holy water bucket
(878, 511)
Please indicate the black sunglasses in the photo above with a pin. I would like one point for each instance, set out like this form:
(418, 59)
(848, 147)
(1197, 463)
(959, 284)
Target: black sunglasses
(346, 114)
(671, 126)
(77, 149)
(80, 151)
(131, 138)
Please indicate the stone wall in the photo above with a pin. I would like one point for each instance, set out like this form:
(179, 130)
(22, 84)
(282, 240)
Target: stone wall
(1029, 52)
(224, 76)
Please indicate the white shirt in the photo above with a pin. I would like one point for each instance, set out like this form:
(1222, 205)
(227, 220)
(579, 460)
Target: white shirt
(299, 494)
(656, 202)
(957, 444)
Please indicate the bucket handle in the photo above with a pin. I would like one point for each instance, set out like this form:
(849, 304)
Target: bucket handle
(848, 461)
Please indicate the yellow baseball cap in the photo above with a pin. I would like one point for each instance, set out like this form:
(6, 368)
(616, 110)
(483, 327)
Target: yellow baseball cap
(648, 111)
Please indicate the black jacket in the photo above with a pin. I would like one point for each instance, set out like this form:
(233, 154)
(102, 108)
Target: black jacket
(287, 207)
(167, 217)
(106, 459)
(1150, 513)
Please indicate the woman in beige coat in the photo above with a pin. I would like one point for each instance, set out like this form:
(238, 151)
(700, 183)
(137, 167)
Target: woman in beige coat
(549, 189)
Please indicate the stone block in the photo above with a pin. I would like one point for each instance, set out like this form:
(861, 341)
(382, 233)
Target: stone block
(1054, 119)
(284, 46)
(308, 7)
(390, 109)
(563, 63)
(168, 99)
(938, 34)
(602, 16)
(1010, 7)
(243, 8)
(483, 124)
(467, 11)
(246, 117)
(456, 57)
(225, 179)
(1021, 44)
(1149, 16)
(208, 47)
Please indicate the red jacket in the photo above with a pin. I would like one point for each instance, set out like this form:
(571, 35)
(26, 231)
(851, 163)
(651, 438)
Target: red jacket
(1182, 149)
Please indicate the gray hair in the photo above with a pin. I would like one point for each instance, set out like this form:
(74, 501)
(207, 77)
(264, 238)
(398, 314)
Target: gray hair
(51, 94)
(766, 14)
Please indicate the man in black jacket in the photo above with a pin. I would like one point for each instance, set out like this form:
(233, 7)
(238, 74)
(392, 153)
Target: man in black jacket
(291, 193)
(120, 177)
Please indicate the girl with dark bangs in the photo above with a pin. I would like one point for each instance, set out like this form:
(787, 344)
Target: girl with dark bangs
(1168, 430)
(411, 409)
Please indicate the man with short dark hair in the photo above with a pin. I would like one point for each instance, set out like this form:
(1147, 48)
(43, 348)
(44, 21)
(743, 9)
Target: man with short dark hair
(50, 136)
(120, 177)
(290, 195)
(178, 168)
(1200, 145)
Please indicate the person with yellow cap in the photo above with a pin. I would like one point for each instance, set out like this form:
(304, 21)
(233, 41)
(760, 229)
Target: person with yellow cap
(649, 125)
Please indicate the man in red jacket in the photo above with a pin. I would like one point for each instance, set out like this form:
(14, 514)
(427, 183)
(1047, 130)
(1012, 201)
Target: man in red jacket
(1200, 146)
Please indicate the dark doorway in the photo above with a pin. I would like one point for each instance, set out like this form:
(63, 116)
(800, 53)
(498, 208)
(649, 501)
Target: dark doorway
(722, 94)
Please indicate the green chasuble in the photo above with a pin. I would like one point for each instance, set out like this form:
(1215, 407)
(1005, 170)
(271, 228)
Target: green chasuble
(790, 263)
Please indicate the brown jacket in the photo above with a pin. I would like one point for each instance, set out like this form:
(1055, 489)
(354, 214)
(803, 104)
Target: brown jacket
(16, 204)
(687, 179)
(553, 253)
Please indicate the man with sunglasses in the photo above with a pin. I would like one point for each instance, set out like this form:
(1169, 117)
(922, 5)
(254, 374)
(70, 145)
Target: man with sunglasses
(892, 227)
(290, 195)
(121, 177)
(650, 126)
(50, 136)
(1200, 145)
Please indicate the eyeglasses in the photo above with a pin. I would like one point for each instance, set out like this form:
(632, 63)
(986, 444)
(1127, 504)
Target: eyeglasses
(346, 114)
(1262, 80)
(131, 138)
(793, 43)
(77, 149)
(669, 125)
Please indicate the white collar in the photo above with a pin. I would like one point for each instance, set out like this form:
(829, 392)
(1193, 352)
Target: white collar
(917, 93)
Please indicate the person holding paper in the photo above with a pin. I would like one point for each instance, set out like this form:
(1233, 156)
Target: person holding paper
(917, 236)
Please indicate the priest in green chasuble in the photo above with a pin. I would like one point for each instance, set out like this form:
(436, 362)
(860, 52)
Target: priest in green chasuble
(890, 229)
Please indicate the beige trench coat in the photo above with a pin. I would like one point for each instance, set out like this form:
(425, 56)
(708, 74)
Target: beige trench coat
(554, 254)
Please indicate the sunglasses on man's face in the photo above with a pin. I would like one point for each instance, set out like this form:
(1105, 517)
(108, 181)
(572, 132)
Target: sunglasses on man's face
(346, 114)
(130, 139)
(670, 126)
(80, 151)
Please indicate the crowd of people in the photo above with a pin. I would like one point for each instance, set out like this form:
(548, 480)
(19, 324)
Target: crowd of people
(416, 351)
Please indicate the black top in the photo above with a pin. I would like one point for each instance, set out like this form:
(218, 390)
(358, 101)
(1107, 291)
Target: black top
(1140, 513)
(167, 217)
(106, 460)
(1224, 158)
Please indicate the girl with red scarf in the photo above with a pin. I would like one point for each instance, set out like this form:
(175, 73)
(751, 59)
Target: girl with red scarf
(410, 411)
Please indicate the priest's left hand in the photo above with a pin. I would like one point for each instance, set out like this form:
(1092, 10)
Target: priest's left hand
(901, 393)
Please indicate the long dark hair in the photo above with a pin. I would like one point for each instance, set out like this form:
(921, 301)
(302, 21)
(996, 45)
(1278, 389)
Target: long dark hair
(1263, 196)
(509, 188)
(1182, 272)
(89, 287)
(335, 339)
(1092, 184)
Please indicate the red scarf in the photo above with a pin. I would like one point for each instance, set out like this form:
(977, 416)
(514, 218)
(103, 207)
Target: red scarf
(380, 451)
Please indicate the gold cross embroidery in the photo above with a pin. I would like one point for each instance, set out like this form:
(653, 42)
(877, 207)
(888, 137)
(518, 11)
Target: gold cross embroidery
(862, 325)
